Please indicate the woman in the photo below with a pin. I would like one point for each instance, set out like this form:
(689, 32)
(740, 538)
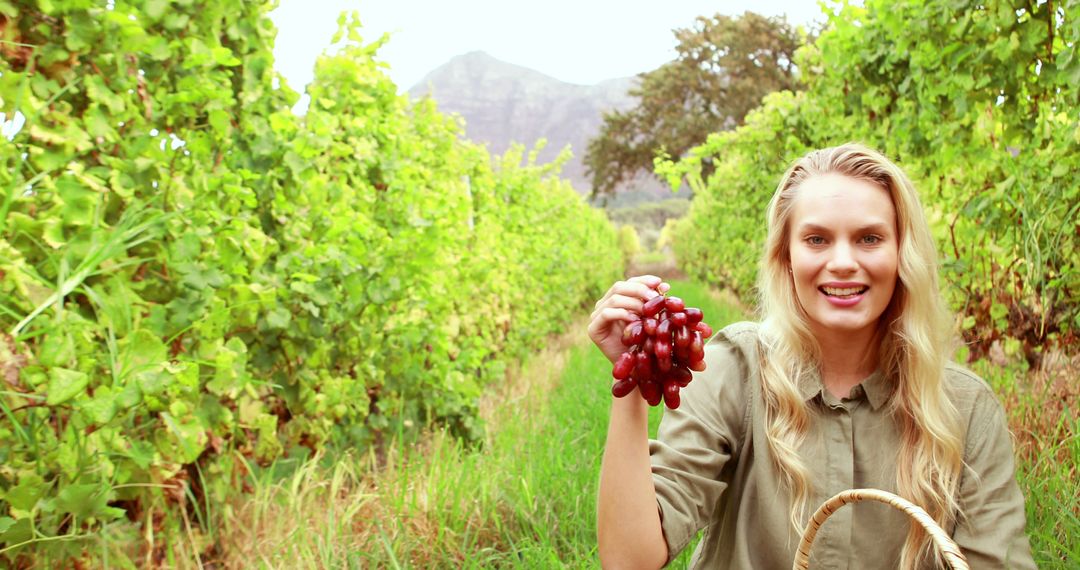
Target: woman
(844, 384)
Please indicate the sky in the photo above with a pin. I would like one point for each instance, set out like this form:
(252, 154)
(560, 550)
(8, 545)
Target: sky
(576, 41)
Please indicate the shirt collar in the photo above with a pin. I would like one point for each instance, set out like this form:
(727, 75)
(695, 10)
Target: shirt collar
(877, 387)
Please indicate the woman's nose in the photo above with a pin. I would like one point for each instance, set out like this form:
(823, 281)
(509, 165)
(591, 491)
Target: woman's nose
(842, 259)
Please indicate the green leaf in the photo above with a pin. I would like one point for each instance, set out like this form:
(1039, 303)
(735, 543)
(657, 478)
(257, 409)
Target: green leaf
(141, 350)
(79, 201)
(224, 56)
(142, 453)
(98, 91)
(86, 500)
(189, 438)
(279, 318)
(158, 48)
(155, 9)
(65, 384)
(219, 121)
(230, 373)
(26, 494)
(58, 349)
(101, 408)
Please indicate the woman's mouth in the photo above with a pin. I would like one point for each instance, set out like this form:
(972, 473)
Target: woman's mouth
(843, 292)
(844, 296)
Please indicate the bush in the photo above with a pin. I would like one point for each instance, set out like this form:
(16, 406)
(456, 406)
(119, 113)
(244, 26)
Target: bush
(195, 280)
(977, 103)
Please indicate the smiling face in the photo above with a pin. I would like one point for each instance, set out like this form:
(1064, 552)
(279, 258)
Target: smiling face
(843, 248)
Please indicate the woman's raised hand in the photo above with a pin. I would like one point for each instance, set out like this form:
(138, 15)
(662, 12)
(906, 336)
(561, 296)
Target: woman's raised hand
(620, 305)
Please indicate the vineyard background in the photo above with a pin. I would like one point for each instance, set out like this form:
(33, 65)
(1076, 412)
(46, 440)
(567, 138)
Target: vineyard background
(202, 293)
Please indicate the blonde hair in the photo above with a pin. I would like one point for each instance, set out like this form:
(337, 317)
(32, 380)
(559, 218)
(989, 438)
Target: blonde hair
(914, 331)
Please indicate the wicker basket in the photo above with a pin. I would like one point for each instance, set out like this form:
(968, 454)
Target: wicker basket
(949, 550)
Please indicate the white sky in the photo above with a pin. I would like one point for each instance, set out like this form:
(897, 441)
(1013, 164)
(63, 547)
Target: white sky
(578, 41)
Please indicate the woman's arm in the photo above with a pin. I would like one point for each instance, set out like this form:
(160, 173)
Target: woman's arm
(628, 522)
(991, 530)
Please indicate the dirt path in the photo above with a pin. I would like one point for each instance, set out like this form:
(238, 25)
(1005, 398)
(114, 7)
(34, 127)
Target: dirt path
(666, 269)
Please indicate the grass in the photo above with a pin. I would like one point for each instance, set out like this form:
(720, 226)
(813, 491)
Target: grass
(525, 496)
(1043, 409)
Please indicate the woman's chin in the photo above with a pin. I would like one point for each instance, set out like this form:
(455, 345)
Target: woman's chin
(845, 324)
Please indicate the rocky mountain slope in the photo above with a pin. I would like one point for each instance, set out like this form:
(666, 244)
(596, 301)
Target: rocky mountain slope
(504, 103)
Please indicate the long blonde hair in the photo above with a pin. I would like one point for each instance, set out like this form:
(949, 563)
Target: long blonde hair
(915, 332)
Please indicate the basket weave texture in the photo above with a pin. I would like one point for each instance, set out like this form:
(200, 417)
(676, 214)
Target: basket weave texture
(949, 550)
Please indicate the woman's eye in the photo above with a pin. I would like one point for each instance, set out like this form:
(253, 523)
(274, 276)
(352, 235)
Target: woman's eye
(815, 240)
(871, 239)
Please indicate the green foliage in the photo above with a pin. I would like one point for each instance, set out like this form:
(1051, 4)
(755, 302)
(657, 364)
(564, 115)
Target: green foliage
(978, 103)
(648, 218)
(628, 241)
(652, 214)
(192, 276)
(723, 68)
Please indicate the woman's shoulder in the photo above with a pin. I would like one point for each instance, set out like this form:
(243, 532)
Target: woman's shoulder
(731, 355)
(966, 386)
(742, 335)
(974, 399)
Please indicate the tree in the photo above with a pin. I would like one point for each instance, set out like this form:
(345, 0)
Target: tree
(725, 65)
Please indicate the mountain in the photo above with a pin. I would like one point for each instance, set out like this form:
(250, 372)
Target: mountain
(504, 103)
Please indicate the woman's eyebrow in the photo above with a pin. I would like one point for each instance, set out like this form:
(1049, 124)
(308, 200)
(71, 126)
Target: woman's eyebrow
(812, 227)
(818, 228)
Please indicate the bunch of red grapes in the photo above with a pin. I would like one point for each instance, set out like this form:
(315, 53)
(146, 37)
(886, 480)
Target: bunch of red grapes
(663, 345)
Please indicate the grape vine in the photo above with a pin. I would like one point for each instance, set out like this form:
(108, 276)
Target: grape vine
(190, 274)
(979, 104)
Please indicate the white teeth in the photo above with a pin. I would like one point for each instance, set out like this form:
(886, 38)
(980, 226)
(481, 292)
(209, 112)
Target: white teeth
(843, 292)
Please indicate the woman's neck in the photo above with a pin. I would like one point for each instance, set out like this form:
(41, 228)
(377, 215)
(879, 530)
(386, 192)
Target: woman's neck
(847, 358)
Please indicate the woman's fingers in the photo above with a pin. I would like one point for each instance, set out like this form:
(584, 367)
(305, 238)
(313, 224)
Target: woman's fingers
(643, 287)
(651, 281)
(623, 302)
(630, 303)
(603, 320)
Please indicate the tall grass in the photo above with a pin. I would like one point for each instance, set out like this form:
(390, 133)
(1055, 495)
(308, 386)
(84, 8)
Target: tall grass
(1044, 417)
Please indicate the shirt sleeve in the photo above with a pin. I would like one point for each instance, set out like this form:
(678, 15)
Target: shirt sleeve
(991, 529)
(695, 441)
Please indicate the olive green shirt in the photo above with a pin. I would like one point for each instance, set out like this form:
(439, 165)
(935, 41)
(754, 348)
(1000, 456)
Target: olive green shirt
(711, 469)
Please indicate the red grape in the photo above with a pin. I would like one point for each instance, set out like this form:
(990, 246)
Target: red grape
(682, 376)
(663, 331)
(623, 387)
(704, 329)
(697, 344)
(662, 349)
(664, 343)
(693, 315)
(650, 326)
(653, 306)
(682, 337)
(652, 392)
(671, 395)
(623, 366)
